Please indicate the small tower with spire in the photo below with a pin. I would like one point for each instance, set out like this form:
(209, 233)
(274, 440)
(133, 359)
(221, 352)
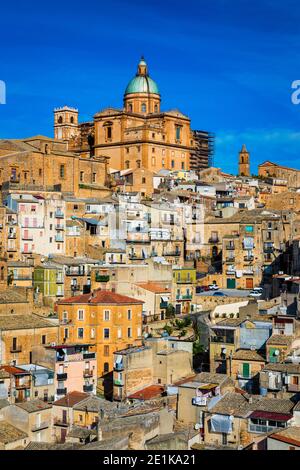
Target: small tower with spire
(244, 162)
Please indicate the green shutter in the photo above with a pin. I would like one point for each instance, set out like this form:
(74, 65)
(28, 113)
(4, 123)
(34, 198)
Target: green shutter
(246, 369)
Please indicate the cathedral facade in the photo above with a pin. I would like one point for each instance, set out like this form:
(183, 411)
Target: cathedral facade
(139, 135)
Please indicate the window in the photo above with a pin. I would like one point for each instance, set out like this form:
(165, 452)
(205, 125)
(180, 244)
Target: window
(106, 315)
(80, 333)
(75, 207)
(129, 332)
(109, 132)
(106, 333)
(119, 333)
(80, 314)
(172, 164)
(43, 339)
(93, 333)
(66, 333)
(182, 165)
(60, 120)
(106, 351)
(153, 149)
(106, 367)
(156, 108)
(138, 163)
(129, 315)
(178, 132)
(94, 177)
(51, 215)
(51, 227)
(127, 164)
(143, 180)
(62, 171)
(130, 107)
(82, 176)
(40, 172)
(144, 107)
(50, 240)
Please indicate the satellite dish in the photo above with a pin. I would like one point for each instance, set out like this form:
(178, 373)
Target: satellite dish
(197, 426)
(276, 352)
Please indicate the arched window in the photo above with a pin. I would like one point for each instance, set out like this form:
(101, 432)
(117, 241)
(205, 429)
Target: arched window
(144, 107)
(72, 120)
(60, 120)
(108, 129)
(106, 367)
(127, 164)
(156, 108)
(109, 132)
(130, 107)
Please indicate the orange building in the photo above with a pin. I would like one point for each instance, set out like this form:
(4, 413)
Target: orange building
(108, 320)
(140, 135)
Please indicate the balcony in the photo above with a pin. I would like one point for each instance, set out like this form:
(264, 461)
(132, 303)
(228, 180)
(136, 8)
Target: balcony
(248, 258)
(59, 227)
(261, 428)
(172, 253)
(118, 382)
(134, 256)
(62, 376)
(102, 277)
(213, 240)
(88, 373)
(229, 246)
(119, 366)
(61, 422)
(184, 297)
(75, 272)
(59, 214)
(88, 388)
(59, 238)
(27, 237)
(61, 391)
(89, 355)
(16, 349)
(293, 387)
(230, 260)
(22, 385)
(163, 304)
(40, 426)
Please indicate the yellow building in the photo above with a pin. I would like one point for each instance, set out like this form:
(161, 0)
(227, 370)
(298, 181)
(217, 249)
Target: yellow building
(138, 136)
(108, 320)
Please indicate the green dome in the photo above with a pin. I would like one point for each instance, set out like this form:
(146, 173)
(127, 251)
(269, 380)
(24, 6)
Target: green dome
(142, 84)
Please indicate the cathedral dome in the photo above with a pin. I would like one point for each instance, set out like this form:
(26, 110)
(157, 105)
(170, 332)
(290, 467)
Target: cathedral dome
(142, 83)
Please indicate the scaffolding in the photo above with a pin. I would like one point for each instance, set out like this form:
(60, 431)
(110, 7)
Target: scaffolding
(203, 154)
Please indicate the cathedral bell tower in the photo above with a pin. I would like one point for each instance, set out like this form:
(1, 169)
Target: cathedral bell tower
(244, 162)
(65, 123)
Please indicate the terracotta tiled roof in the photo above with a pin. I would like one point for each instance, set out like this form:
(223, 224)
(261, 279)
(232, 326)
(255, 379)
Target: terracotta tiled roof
(14, 370)
(8, 433)
(148, 392)
(33, 405)
(289, 435)
(248, 355)
(22, 322)
(154, 287)
(71, 399)
(101, 297)
(280, 339)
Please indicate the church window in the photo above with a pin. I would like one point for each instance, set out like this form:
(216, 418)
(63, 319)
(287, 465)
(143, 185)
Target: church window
(178, 132)
(127, 164)
(156, 108)
(60, 120)
(172, 163)
(144, 107)
(81, 176)
(62, 171)
(109, 132)
(143, 180)
(130, 107)
(138, 163)
(72, 120)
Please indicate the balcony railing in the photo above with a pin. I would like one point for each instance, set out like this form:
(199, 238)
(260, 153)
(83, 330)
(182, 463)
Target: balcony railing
(184, 297)
(88, 388)
(87, 373)
(59, 238)
(59, 227)
(90, 355)
(61, 391)
(61, 422)
(16, 349)
(119, 366)
(40, 426)
(101, 278)
(172, 253)
(62, 376)
(213, 240)
(261, 428)
(163, 304)
(59, 214)
(118, 382)
(248, 258)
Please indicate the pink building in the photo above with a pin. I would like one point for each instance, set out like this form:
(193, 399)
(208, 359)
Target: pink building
(75, 367)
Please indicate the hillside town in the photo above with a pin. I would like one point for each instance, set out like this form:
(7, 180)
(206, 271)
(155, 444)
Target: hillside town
(148, 300)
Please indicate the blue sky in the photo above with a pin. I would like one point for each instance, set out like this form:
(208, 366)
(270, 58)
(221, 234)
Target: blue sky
(228, 64)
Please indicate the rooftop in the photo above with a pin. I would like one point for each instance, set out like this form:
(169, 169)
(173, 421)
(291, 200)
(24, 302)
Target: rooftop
(26, 321)
(34, 405)
(148, 392)
(154, 287)
(105, 297)
(9, 433)
(280, 339)
(71, 399)
(289, 435)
